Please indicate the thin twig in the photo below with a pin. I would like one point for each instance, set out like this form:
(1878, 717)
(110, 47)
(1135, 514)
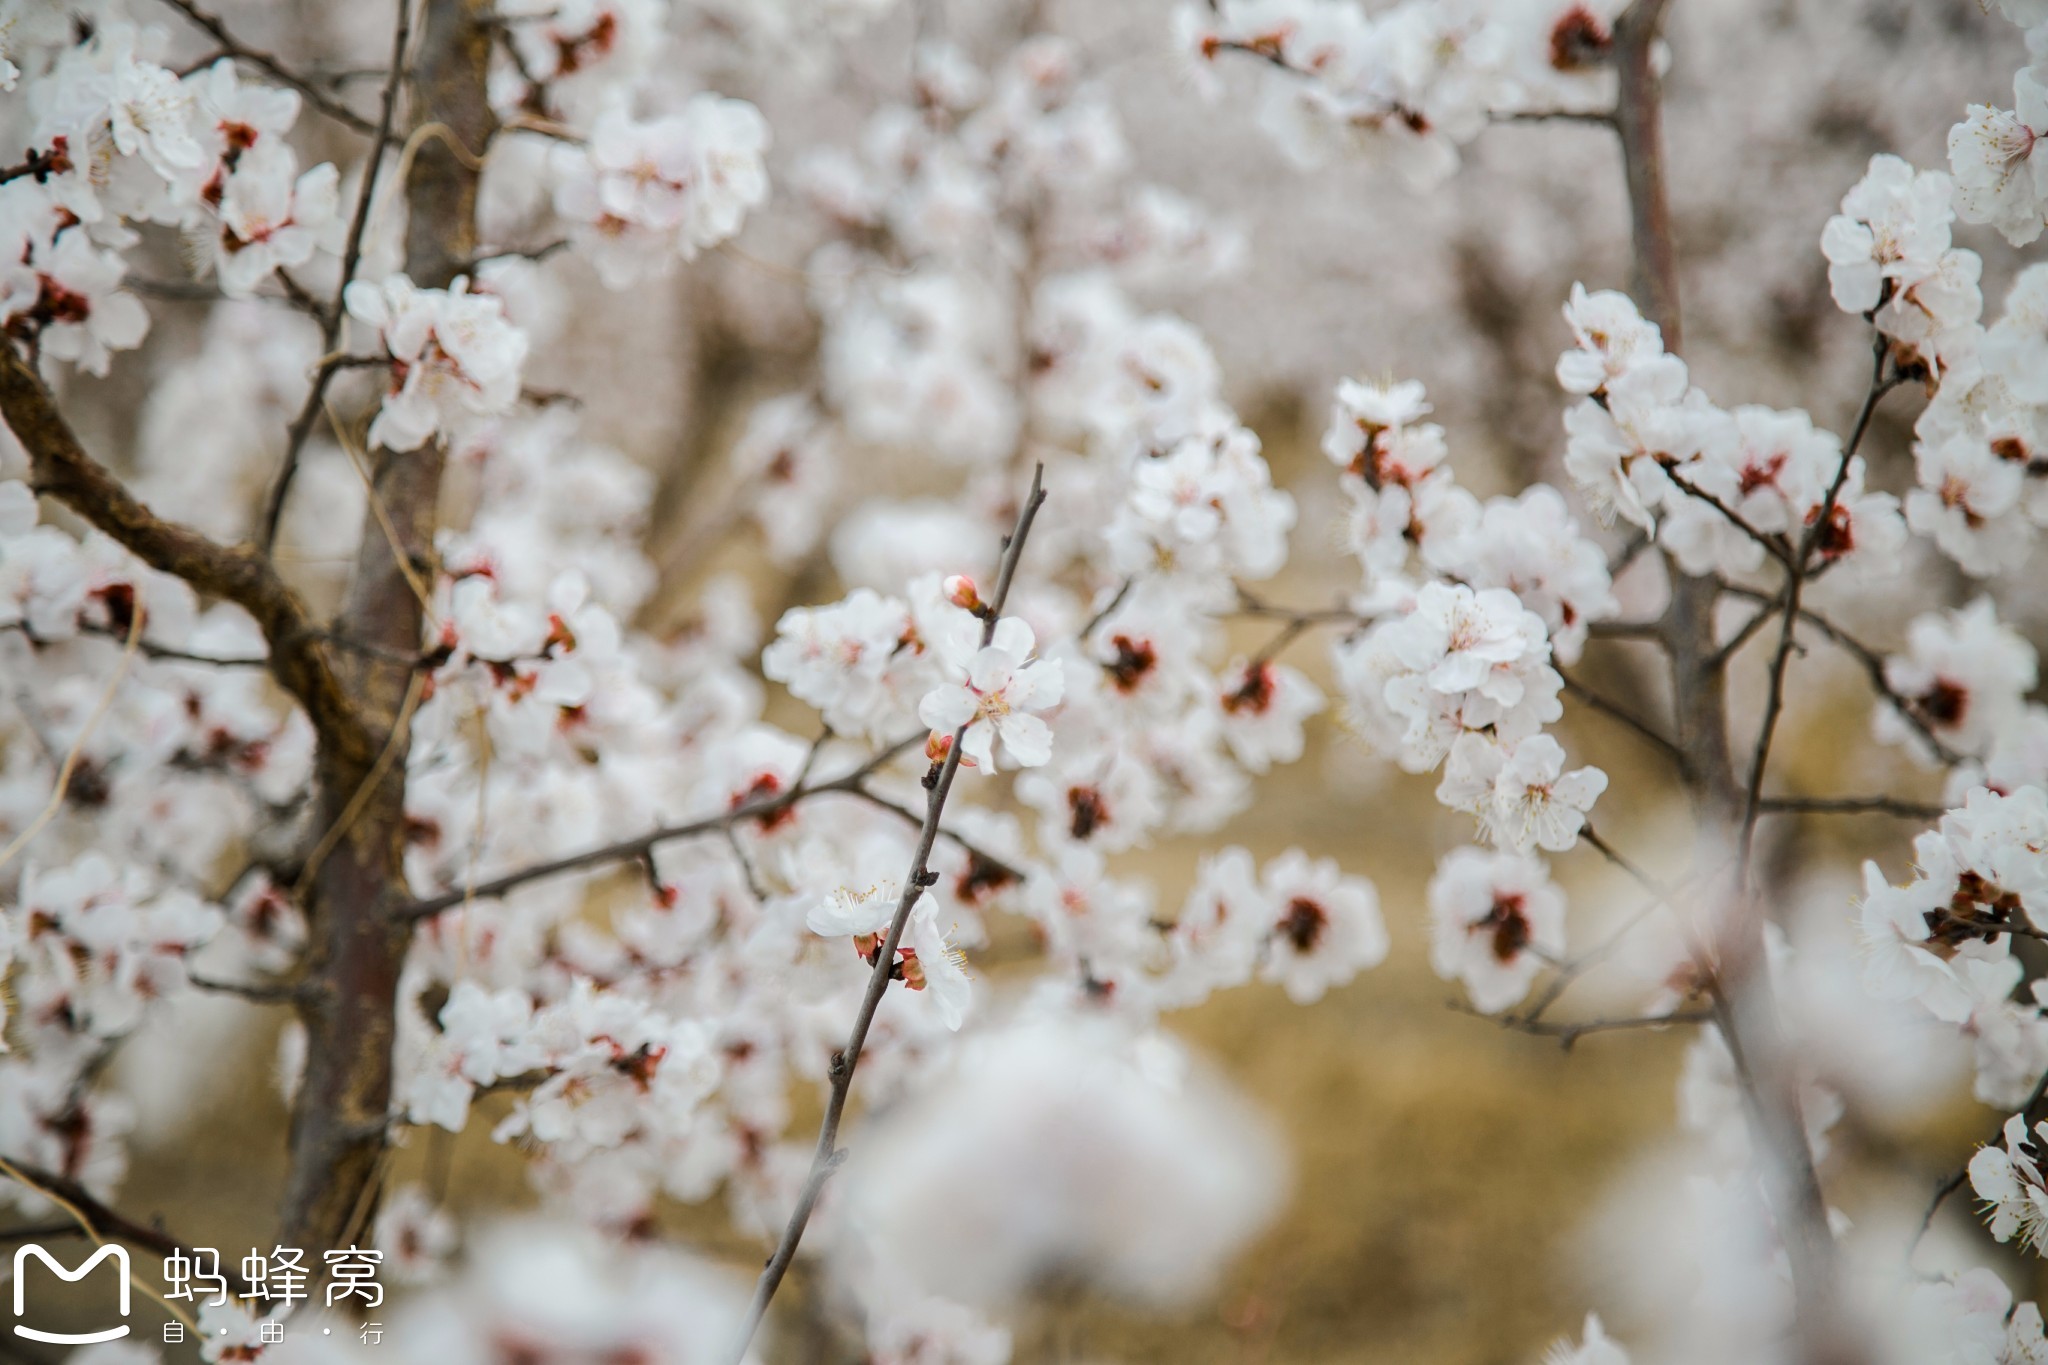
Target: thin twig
(760, 808)
(69, 767)
(1955, 1181)
(1598, 117)
(828, 1155)
(1795, 587)
(1628, 554)
(1873, 668)
(102, 1224)
(257, 992)
(1249, 604)
(351, 254)
(1655, 887)
(149, 649)
(1851, 805)
(38, 1232)
(1773, 545)
(1743, 636)
(1988, 930)
(1006, 870)
(394, 745)
(1569, 1033)
(234, 47)
(1597, 702)
(1108, 610)
(1626, 630)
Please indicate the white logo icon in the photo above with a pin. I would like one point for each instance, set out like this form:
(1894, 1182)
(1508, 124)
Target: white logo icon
(21, 1256)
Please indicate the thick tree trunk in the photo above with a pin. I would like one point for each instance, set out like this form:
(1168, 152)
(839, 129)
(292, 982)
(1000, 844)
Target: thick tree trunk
(339, 1121)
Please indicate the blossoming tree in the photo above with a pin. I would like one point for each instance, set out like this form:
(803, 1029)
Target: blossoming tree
(340, 678)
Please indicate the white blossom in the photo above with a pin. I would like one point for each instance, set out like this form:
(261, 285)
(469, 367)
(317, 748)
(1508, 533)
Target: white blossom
(641, 196)
(995, 692)
(453, 356)
(2000, 169)
(1495, 922)
(1325, 927)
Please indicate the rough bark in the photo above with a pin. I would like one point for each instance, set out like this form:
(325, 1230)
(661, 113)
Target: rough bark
(359, 938)
(61, 468)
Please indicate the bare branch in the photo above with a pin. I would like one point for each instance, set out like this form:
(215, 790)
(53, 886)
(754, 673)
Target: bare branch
(1652, 631)
(351, 253)
(38, 1232)
(1851, 805)
(1639, 120)
(272, 67)
(1573, 687)
(761, 808)
(95, 1217)
(1743, 636)
(256, 992)
(1567, 1034)
(1630, 551)
(1599, 118)
(1248, 604)
(1003, 869)
(1873, 668)
(148, 649)
(339, 1137)
(1740, 981)
(1773, 545)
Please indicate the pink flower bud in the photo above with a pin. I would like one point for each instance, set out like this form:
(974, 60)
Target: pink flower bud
(961, 593)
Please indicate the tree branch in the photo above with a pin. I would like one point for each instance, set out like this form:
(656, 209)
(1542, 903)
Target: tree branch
(1568, 1034)
(939, 782)
(148, 649)
(234, 47)
(1639, 120)
(1873, 668)
(1851, 805)
(1744, 1004)
(1795, 587)
(61, 468)
(1642, 728)
(626, 850)
(1006, 870)
(331, 317)
(256, 992)
(1962, 1174)
(101, 1220)
(1773, 545)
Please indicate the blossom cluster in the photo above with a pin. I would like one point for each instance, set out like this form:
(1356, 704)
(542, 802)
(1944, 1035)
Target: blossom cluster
(1976, 491)
(950, 751)
(1466, 610)
(1711, 484)
(639, 196)
(1944, 938)
(1408, 84)
(120, 139)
